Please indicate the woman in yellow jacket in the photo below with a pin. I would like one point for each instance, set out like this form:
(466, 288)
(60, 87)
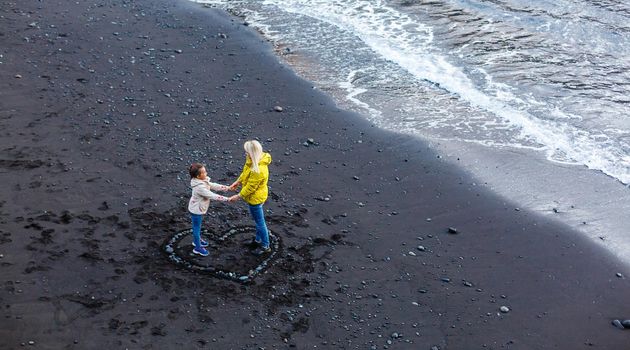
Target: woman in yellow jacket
(254, 191)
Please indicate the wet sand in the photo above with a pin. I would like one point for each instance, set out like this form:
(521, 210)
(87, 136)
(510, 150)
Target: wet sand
(103, 105)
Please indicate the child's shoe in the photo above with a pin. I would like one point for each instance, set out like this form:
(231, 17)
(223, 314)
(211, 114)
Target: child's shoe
(203, 243)
(200, 251)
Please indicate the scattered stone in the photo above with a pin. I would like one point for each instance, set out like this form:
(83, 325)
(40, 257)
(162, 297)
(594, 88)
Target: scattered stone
(355, 177)
(311, 141)
(412, 253)
(504, 309)
(626, 323)
(278, 109)
(421, 248)
(18, 76)
(445, 279)
(178, 51)
(619, 275)
(468, 284)
(428, 219)
(30, 342)
(169, 250)
(452, 230)
(618, 324)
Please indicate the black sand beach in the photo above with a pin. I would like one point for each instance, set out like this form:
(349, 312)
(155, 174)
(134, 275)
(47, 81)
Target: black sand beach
(103, 105)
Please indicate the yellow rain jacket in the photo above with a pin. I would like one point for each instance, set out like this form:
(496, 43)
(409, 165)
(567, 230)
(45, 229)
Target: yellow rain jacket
(254, 185)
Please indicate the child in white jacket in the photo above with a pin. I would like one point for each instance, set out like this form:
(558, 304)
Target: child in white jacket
(199, 201)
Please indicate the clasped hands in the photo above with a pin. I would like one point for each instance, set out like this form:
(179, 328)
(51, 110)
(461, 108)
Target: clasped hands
(233, 187)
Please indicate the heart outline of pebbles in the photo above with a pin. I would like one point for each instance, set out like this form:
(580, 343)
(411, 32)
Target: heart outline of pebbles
(171, 244)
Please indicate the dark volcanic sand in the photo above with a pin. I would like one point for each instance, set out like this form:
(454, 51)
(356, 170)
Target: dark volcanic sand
(100, 115)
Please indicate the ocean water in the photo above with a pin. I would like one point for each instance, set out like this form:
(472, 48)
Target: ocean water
(546, 78)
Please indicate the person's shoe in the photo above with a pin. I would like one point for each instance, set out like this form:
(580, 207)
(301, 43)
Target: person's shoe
(203, 243)
(200, 251)
(262, 250)
(253, 244)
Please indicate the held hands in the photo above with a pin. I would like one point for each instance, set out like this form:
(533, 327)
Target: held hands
(234, 198)
(233, 186)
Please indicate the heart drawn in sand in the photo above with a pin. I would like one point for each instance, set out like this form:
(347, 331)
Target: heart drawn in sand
(230, 256)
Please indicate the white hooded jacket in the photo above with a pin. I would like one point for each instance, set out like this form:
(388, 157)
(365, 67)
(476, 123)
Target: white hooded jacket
(202, 194)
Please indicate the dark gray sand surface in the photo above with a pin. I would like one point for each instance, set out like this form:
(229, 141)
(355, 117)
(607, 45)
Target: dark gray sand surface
(104, 104)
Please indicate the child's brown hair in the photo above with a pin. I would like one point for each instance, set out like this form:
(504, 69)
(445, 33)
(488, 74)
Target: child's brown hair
(194, 169)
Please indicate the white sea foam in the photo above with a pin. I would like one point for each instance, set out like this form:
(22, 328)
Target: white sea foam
(396, 37)
(401, 39)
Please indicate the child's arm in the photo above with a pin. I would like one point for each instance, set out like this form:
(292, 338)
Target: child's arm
(204, 192)
(218, 187)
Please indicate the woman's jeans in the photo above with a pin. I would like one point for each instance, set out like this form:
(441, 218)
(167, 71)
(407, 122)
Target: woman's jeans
(196, 227)
(262, 234)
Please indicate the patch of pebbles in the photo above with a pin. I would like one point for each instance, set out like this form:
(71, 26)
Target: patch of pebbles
(172, 244)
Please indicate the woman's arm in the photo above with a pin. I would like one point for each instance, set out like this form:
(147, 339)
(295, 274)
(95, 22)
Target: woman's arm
(234, 185)
(252, 185)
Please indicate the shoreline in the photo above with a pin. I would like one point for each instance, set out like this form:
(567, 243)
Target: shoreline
(117, 99)
(588, 201)
(528, 177)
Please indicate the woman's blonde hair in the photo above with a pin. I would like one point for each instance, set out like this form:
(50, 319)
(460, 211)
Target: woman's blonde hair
(254, 150)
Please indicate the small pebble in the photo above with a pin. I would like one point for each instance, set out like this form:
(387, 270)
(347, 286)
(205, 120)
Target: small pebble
(278, 109)
(618, 324)
(505, 309)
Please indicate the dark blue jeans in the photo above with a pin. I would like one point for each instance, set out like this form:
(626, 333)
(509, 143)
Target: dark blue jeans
(262, 234)
(196, 227)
